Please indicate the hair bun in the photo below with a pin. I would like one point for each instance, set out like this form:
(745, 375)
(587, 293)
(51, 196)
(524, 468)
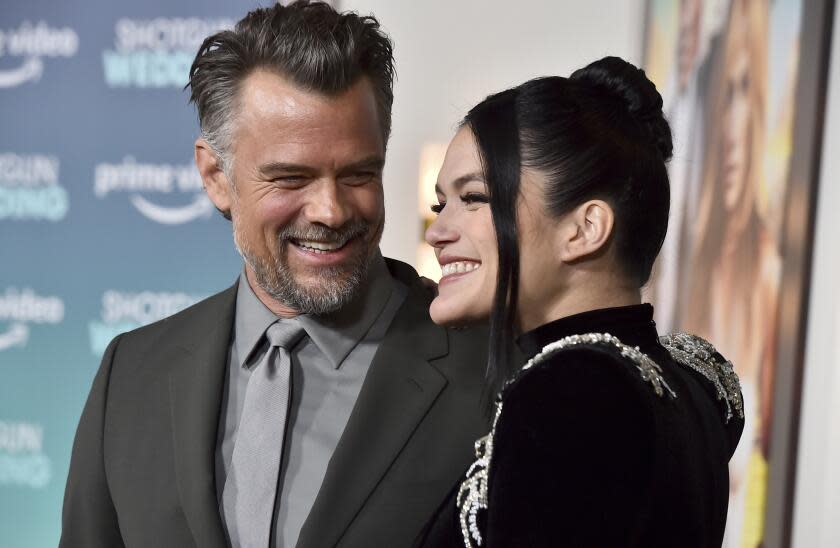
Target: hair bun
(629, 83)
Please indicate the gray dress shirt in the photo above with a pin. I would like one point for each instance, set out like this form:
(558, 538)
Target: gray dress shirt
(328, 368)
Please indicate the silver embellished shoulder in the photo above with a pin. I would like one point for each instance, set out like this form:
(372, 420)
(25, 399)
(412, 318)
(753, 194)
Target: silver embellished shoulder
(698, 354)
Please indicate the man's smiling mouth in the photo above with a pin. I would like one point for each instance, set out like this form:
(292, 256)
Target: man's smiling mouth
(319, 247)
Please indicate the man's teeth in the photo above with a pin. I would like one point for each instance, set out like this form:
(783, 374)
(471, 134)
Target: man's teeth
(319, 247)
(459, 267)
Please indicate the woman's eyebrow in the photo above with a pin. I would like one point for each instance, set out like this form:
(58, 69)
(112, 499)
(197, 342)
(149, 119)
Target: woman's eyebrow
(462, 180)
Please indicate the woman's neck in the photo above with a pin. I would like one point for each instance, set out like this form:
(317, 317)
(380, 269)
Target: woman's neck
(575, 301)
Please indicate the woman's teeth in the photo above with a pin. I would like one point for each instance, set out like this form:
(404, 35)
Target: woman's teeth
(319, 247)
(459, 267)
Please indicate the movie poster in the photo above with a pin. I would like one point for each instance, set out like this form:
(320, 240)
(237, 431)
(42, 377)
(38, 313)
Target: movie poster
(727, 70)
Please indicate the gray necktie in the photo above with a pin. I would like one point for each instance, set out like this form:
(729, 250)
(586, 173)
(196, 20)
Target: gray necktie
(251, 485)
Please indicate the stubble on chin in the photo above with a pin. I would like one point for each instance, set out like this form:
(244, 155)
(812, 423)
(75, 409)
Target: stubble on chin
(317, 292)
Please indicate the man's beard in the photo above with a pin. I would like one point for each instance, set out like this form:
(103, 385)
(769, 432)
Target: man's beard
(334, 287)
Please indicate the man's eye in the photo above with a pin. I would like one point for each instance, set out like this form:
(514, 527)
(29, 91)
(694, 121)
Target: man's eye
(360, 178)
(290, 179)
(437, 208)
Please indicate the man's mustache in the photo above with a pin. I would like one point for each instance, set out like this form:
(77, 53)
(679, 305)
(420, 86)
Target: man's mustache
(325, 234)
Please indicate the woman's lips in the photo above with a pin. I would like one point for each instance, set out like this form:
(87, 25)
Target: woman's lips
(454, 270)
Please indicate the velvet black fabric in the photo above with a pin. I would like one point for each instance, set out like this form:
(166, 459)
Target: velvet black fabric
(587, 454)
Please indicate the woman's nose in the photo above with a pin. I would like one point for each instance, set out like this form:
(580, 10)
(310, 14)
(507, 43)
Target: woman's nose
(441, 231)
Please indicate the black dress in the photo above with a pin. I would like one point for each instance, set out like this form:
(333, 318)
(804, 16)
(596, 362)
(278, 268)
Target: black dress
(596, 446)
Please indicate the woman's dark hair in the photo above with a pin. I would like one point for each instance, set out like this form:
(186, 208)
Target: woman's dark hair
(599, 134)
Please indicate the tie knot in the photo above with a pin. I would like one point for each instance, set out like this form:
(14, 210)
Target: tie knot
(284, 333)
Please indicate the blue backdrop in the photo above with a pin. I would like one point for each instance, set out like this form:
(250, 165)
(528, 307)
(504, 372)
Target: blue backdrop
(103, 223)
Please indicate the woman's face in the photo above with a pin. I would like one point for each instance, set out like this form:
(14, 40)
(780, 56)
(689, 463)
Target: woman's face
(463, 237)
(736, 134)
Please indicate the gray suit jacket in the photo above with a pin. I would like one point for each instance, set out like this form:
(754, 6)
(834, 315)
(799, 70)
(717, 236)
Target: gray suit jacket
(142, 468)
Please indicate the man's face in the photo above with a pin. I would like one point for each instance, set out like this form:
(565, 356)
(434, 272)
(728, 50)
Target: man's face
(307, 205)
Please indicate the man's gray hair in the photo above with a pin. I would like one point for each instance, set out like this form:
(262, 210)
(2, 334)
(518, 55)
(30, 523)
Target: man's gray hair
(307, 42)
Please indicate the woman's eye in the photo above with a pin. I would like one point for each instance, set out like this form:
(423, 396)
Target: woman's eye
(466, 199)
(474, 198)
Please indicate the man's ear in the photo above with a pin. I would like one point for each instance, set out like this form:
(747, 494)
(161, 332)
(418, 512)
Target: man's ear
(585, 230)
(215, 181)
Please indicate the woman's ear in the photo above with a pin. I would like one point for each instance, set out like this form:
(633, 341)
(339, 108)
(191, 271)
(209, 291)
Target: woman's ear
(216, 183)
(585, 230)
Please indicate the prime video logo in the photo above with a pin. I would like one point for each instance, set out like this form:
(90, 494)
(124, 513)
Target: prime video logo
(156, 53)
(124, 311)
(30, 43)
(138, 179)
(30, 189)
(19, 309)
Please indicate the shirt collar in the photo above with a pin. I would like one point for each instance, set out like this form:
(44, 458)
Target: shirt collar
(336, 334)
(252, 319)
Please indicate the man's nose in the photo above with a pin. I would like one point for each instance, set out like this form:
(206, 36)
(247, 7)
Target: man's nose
(328, 205)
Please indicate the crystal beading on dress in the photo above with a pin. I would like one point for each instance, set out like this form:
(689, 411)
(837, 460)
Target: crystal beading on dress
(472, 495)
(698, 354)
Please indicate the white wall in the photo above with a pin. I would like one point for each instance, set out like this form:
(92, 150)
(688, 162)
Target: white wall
(817, 500)
(450, 54)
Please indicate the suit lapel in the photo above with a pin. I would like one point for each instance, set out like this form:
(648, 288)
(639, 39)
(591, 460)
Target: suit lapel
(196, 385)
(400, 387)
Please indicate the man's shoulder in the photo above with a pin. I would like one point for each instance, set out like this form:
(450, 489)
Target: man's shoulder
(420, 289)
(464, 344)
(405, 274)
(201, 317)
(136, 361)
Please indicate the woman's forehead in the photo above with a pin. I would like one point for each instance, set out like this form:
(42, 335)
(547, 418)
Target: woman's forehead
(462, 163)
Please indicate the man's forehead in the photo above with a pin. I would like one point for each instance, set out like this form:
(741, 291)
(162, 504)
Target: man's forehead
(265, 93)
(301, 154)
(279, 122)
(266, 98)
(268, 93)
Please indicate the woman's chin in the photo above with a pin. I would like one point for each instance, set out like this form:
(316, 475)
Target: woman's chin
(449, 314)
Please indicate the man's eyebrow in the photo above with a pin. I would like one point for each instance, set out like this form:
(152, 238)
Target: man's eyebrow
(272, 168)
(462, 180)
(371, 162)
